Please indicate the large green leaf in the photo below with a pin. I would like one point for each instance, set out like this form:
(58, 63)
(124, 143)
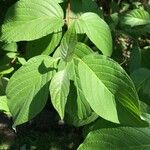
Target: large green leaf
(97, 30)
(108, 89)
(122, 138)
(27, 90)
(136, 17)
(32, 19)
(59, 90)
(45, 45)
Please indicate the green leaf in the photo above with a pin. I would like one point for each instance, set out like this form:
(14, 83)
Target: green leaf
(59, 90)
(11, 55)
(136, 17)
(3, 105)
(97, 30)
(21, 60)
(117, 139)
(32, 19)
(108, 89)
(45, 45)
(68, 44)
(27, 89)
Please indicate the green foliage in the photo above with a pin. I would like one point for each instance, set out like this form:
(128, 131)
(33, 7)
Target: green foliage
(63, 50)
(117, 139)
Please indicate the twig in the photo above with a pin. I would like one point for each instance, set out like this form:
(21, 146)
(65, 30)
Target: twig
(68, 12)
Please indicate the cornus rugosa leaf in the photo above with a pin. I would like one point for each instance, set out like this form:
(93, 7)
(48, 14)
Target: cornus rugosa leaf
(27, 90)
(108, 89)
(121, 138)
(32, 19)
(97, 30)
(59, 90)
